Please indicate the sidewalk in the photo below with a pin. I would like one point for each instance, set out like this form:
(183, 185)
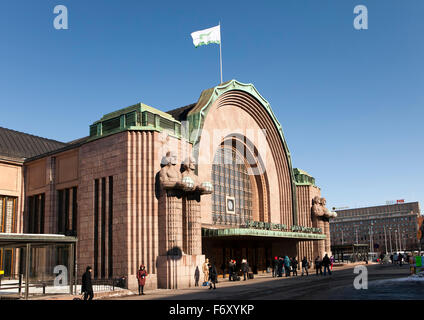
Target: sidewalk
(163, 293)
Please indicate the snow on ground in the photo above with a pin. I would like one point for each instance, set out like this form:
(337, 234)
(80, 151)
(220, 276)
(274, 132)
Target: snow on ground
(6, 284)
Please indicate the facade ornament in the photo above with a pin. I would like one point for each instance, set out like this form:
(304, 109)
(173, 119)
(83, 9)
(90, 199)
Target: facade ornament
(191, 181)
(169, 175)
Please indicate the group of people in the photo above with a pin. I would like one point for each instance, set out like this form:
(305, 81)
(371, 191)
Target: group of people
(284, 265)
(326, 263)
(281, 265)
(87, 286)
(397, 258)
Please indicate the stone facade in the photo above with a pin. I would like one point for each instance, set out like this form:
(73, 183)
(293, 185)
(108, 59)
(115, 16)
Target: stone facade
(110, 189)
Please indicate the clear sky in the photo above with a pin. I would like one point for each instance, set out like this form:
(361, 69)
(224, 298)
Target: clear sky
(350, 101)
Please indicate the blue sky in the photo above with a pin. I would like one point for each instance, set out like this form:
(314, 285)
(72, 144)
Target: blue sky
(350, 102)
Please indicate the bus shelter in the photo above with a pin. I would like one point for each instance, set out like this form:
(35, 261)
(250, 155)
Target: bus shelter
(41, 263)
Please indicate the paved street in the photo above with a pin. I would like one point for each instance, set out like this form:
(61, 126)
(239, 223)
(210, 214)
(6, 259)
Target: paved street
(337, 286)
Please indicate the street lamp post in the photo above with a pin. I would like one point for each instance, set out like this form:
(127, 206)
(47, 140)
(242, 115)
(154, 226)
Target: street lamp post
(390, 234)
(396, 240)
(356, 230)
(385, 238)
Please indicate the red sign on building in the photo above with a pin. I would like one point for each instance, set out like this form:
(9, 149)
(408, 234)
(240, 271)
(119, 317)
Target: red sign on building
(400, 201)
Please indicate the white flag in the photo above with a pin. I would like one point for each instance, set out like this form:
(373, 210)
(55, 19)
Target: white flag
(203, 37)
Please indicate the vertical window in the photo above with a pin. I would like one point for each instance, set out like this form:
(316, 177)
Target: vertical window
(110, 245)
(96, 226)
(103, 239)
(35, 221)
(8, 214)
(67, 211)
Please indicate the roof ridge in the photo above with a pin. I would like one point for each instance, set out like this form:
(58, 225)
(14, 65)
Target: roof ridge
(32, 135)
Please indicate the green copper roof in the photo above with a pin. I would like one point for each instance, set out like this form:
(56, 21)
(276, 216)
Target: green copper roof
(197, 115)
(136, 117)
(303, 178)
(260, 233)
(136, 107)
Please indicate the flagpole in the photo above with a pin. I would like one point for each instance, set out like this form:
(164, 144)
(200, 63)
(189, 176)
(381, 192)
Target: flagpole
(220, 50)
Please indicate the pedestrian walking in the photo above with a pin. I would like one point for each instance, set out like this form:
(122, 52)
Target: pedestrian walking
(318, 266)
(400, 257)
(305, 266)
(231, 269)
(280, 266)
(196, 276)
(245, 269)
(294, 264)
(141, 278)
(326, 264)
(275, 265)
(213, 275)
(86, 286)
(332, 262)
(287, 266)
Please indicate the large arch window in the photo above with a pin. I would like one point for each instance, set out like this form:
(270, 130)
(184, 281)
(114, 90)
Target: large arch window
(231, 183)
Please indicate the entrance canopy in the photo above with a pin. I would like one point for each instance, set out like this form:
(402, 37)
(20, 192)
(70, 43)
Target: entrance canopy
(20, 240)
(213, 233)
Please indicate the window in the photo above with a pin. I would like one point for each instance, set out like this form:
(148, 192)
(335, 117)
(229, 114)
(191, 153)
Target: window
(234, 182)
(67, 211)
(35, 220)
(8, 214)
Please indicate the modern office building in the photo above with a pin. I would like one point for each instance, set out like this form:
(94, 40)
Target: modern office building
(213, 179)
(390, 228)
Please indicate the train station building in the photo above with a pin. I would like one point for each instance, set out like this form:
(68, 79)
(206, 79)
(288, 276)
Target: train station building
(213, 179)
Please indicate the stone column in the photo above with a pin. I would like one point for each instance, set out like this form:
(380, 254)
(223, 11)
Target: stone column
(170, 223)
(326, 230)
(193, 232)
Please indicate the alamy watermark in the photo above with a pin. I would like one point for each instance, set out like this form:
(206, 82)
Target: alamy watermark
(361, 20)
(61, 20)
(361, 280)
(62, 276)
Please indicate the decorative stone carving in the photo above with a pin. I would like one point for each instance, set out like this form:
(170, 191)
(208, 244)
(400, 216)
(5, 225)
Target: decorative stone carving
(170, 176)
(191, 207)
(316, 207)
(190, 179)
(179, 220)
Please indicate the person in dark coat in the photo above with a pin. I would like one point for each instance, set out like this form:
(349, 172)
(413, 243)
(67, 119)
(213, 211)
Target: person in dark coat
(305, 266)
(318, 265)
(275, 265)
(86, 286)
(400, 257)
(326, 264)
(231, 267)
(213, 275)
(294, 264)
(280, 266)
(196, 277)
(244, 269)
(141, 277)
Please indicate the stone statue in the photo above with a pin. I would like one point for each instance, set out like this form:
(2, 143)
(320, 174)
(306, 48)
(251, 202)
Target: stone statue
(169, 175)
(317, 210)
(191, 181)
(326, 213)
(205, 269)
